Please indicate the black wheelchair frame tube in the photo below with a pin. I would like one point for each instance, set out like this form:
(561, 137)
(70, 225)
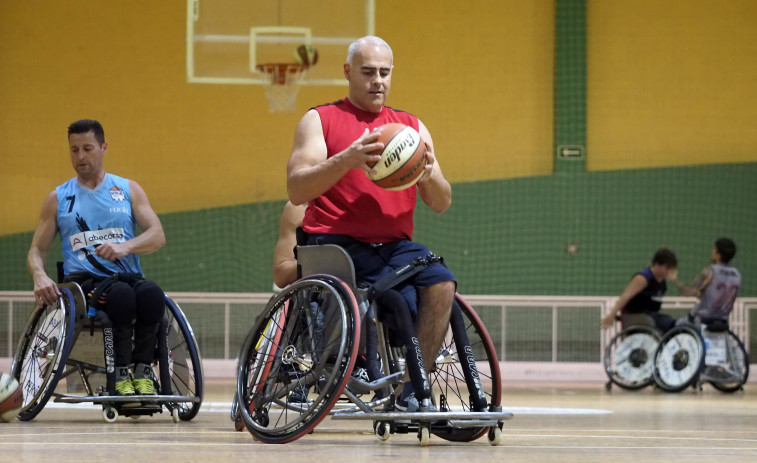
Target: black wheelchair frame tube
(467, 359)
(405, 327)
(164, 371)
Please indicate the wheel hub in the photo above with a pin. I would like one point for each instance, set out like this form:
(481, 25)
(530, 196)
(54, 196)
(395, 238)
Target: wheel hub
(681, 360)
(638, 357)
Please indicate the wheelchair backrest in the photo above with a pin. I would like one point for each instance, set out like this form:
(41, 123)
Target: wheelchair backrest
(329, 259)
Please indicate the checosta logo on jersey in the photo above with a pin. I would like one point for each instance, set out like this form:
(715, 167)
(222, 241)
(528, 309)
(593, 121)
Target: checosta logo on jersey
(117, 194)
(93, 238)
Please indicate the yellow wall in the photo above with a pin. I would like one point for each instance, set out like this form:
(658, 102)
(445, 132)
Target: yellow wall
(671, 82)
(478, 74)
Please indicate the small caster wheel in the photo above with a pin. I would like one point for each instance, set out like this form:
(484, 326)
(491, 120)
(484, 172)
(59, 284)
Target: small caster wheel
(134, 417)
(110, 414)
(382, 430)
(238, 422)
(423, 435)
(608, 386)
(175, 415)
(494, 436)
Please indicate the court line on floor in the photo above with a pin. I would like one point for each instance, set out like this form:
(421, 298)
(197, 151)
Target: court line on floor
(225, 407)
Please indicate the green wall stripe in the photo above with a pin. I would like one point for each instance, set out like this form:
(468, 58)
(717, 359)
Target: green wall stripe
(570, 86)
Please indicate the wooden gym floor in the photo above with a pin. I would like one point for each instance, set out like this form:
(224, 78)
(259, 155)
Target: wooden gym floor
(565, 422)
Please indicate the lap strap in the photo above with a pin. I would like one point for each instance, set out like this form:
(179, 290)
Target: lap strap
(96, 287)
(401, 274)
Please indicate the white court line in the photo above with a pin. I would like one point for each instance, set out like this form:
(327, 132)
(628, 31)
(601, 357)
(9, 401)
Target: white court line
(225, 407)
(735, 451)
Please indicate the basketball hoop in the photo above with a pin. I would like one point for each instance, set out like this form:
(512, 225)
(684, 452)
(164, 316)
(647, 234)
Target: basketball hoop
(283, 84)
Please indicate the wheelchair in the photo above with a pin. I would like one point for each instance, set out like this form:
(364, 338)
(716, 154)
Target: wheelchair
(300, 360)
(629, 357)
(63, 341)
(694, 354)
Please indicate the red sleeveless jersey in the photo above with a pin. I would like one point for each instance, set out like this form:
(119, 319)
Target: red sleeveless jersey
(355, 206)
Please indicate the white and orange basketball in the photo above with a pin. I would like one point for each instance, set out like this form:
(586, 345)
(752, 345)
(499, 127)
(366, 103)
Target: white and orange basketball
(402, 159)
(11, 398)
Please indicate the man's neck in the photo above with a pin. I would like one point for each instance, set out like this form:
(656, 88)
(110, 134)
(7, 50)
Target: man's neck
(376, 111)
(93, 181)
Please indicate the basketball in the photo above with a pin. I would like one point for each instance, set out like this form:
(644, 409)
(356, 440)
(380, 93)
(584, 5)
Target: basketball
(402, 159)
(306, 55)
(11, 398)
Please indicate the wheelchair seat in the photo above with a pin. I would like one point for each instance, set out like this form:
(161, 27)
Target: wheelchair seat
(328, 259)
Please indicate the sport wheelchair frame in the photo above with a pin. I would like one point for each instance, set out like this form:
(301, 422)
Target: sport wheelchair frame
(295, 366)
(629, 357)
(690, 355)
(43, 358)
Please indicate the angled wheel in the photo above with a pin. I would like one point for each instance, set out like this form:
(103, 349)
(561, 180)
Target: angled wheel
(450, 388)
(730, 375)
(297, 358)
(42, 352)
(629, 357)
(185, 364)
(679, 359)
(236, 415)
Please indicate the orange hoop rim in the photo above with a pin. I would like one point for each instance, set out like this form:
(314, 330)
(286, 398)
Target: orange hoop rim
(279, 71)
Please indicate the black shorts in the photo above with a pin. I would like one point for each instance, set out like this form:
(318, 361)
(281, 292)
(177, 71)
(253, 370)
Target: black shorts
(373, 261)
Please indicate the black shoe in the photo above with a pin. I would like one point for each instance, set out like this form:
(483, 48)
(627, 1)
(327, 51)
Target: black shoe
(299, 395)
(407, 402)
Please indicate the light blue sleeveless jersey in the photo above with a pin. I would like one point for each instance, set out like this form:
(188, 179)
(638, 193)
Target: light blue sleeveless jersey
(88, 218)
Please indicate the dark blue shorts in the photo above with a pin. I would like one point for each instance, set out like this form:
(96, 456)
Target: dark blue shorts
(373, 261)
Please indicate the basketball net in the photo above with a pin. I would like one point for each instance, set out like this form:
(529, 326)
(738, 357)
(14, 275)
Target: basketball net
(282, 84)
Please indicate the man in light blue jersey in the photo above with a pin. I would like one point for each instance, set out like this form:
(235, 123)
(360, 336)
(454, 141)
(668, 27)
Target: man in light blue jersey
(96, 214)
(716, 286)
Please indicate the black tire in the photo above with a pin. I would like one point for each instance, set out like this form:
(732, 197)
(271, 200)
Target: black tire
(679, 359)
(738, 367)
(42, 352)
(450, 390)
(629, 357)
(185, 364)
(306, 339)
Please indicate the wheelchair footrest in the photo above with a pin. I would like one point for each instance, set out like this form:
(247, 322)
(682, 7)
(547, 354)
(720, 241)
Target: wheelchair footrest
(470, 419)
(101, 399)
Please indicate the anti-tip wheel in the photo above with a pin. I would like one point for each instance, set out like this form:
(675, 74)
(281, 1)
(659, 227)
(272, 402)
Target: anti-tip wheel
(382, 430)
(494, 436)
(175, 415)
(110, 414)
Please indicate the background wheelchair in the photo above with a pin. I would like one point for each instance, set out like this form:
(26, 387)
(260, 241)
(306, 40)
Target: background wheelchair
(690, 355)
(629, 357)
(296, 365)
(62, 342)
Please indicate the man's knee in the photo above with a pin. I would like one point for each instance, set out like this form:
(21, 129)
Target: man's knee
(438, 297)
(150, 301)
(121, 303)
(443, 289)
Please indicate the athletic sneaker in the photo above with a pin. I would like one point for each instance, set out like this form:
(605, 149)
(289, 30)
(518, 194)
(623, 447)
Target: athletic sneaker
(144, 386)
(125, 388)
(299, 395)
(143, 383)
(407, 402)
